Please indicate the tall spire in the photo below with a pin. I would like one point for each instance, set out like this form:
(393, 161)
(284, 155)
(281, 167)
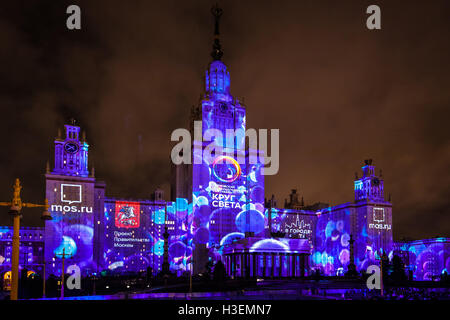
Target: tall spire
(217, 53)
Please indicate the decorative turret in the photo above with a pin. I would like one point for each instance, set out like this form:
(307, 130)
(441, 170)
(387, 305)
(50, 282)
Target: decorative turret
(71, 152)
(369, 187)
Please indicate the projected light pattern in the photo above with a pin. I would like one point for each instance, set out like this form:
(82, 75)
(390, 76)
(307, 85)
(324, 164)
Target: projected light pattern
(331, 250)
(428, 259)
(138, 245)
(232, 169)
(222, 207)
(71, 231)
(328, 232)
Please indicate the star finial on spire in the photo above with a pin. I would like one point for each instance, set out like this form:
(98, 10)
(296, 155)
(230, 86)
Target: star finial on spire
(217, 53)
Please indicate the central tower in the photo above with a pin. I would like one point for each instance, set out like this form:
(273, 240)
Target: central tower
(227, 192)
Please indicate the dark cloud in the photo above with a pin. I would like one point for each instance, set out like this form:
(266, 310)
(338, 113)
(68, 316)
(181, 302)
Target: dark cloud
(338, 92)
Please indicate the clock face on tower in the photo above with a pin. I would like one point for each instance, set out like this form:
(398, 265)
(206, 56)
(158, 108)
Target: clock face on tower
(71, 147)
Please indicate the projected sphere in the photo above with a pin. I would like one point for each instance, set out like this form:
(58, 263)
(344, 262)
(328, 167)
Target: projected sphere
(202, 213)
(329, 228)
(177, 249)
(344, 256)
(428, 276)
(158, 248)
(67, 246)
(202, 201)
(340, 225)
(329, 268)
(201, 236)
(259, 207)
(255, 219)
(216, 228)
(317, 257)
(233, 236)
(257, 194)
(82, 236)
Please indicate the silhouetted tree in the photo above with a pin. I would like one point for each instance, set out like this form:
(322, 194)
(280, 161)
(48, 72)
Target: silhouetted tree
(51, 286)
(149, 274)
(398, 270)
(220, 273)
(208, 270)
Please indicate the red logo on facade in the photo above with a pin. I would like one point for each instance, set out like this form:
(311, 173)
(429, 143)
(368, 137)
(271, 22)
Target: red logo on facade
(127, 214)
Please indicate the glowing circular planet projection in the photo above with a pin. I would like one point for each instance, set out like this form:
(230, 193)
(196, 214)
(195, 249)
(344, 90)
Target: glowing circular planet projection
(255, 219)
(257, 194)
(232, 169)
(203, 213)
(201, 201)
(259, 207)
(67, 246)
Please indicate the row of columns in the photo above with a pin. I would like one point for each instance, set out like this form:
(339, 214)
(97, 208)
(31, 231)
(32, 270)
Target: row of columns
(249, 265)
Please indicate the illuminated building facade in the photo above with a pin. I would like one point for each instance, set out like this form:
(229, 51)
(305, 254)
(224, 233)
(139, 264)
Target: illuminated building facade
(31, 252)
(99, 233)
(426, 259)
(217, 212)
(134, 235)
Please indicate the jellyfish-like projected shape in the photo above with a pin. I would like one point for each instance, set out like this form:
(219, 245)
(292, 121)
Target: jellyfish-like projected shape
(201, 201)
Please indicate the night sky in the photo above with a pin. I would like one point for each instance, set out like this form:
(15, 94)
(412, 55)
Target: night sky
(338, 92)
